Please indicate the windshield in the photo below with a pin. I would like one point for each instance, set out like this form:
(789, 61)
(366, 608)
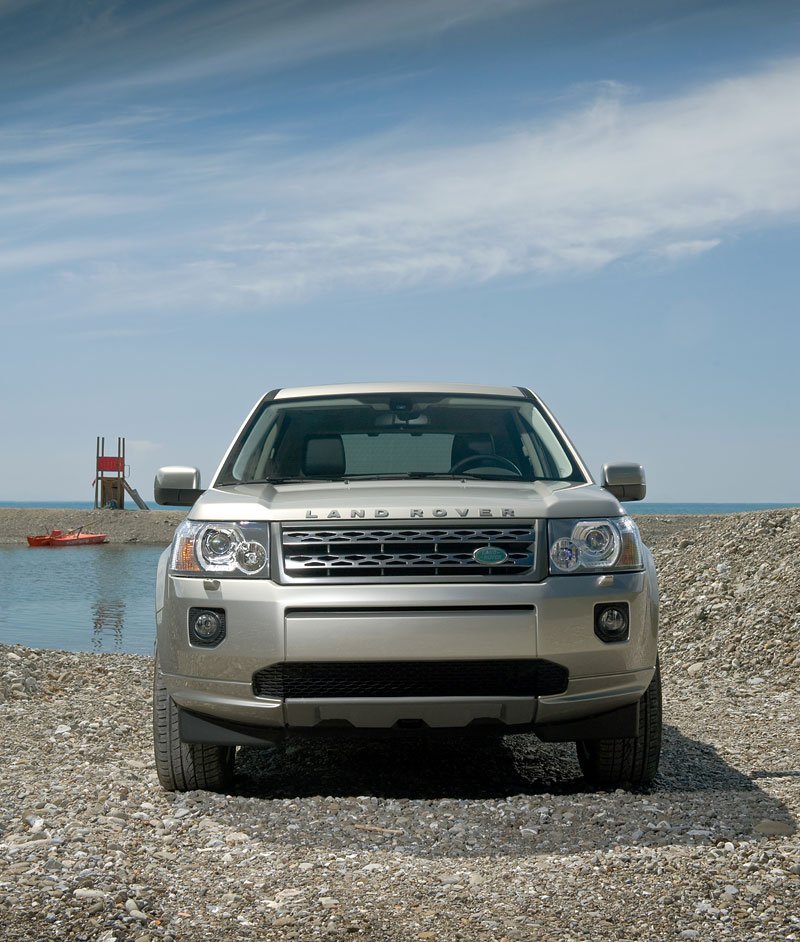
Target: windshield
(379, 436)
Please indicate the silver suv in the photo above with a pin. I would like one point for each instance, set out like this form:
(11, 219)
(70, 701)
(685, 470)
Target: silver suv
(405, 559)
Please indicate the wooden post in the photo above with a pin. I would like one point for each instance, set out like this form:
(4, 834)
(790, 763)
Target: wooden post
(121, 472)
(98, 474)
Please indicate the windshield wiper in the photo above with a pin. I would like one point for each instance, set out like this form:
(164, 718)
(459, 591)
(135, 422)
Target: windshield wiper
(433, 476)
(492, 477)
(292, 480)
(401, 476)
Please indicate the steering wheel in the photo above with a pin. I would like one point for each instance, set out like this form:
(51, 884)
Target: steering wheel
(484, 461)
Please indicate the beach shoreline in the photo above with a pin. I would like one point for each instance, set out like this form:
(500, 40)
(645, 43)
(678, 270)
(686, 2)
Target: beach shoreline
(121, 526)
(156, 527)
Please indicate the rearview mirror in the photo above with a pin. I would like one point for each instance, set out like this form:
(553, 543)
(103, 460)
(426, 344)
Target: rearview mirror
(624, 480)
(176, 486)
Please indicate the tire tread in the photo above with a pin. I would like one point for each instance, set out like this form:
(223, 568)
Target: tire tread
(627, 761)
(185, 766)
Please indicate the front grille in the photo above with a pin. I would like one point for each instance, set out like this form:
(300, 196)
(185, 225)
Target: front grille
(381, 552)
(350, 680)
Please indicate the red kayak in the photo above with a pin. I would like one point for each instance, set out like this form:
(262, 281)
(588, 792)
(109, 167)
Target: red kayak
(67, 538)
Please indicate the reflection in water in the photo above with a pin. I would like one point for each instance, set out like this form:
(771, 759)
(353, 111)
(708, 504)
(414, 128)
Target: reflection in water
(108, 607)
(88, 598)
(109, 616)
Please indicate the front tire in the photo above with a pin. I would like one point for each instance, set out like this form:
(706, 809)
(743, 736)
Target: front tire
(184, 766)
(612, 763)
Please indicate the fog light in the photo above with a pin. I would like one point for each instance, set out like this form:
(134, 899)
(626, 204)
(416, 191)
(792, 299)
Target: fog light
(612, 622)
(206, 626)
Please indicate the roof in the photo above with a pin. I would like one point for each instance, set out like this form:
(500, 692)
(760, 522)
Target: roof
(362, 389)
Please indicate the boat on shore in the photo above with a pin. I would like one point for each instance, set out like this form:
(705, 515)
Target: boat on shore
(74, 537)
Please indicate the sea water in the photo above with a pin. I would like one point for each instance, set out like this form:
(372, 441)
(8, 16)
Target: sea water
(82, 598)
(645, 507)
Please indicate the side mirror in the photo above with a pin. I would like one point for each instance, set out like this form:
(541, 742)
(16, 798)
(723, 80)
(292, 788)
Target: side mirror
(625, 481)
(177, 487)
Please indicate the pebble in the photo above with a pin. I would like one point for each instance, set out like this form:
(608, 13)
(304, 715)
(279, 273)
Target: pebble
(716, 577)
(767, 826)
(456, 840)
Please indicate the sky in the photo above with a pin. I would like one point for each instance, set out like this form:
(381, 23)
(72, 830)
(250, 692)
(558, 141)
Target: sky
(202, 201)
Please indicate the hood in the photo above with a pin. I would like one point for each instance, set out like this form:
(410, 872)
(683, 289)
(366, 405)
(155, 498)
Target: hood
(405, 500)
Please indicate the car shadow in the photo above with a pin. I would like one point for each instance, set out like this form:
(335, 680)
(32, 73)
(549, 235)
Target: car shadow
(407, 768)
(519, 793)
(460, 768)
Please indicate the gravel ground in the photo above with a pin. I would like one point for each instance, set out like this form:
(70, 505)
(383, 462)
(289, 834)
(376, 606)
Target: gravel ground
(121, 526)
(404, 841)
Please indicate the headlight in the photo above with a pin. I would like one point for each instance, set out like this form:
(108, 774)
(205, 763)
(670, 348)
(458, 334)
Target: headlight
(221, 549)
(583, 546)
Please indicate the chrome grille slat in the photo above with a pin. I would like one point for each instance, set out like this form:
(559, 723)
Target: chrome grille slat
(403, 551)
(452, 534)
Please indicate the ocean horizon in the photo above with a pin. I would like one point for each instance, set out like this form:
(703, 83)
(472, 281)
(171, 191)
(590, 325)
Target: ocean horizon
(645, 507)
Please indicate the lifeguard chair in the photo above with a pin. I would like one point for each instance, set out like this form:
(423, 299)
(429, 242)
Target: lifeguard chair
(110, 483)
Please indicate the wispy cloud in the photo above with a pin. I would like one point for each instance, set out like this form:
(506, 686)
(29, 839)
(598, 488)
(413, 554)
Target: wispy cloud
(260, 221)
(142, 445)
(40, 255)
(242, 36)
(674, 251)
(154, 44)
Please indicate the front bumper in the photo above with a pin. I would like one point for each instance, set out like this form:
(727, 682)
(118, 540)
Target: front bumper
(269, 624)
